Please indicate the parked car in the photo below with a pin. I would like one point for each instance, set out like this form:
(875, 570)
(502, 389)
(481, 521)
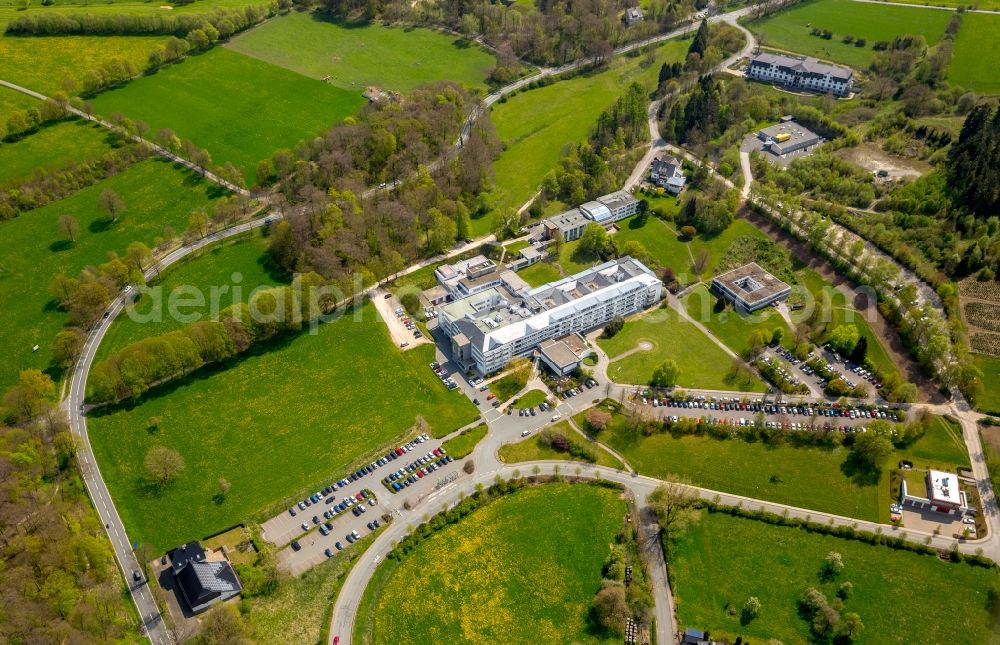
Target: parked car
(296, 546)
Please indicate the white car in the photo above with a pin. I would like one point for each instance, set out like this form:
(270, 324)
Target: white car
(526, 433)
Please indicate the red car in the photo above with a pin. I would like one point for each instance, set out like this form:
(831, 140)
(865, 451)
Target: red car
(491, 396)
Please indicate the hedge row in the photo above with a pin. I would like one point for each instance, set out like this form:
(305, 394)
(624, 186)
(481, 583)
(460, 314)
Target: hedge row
(846, 532)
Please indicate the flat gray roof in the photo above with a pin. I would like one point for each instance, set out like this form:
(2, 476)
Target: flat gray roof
(751, 283)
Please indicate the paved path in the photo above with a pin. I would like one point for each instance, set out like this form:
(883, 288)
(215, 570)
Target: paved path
(160, 150)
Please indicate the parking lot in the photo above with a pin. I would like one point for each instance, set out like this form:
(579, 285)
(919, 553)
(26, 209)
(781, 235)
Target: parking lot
(319, 513)
(401, 328)
(822, 366)
(775, 415)
(924, 519)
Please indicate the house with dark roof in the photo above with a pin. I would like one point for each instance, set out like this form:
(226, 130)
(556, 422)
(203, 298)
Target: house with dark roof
(801, 73)
(203, 579)
(667, 173)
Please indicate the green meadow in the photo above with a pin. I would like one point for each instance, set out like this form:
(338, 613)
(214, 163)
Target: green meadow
(977, 48)
(33, 251)
(238, 108)
(52, 147)
(790, 30)
(233, 268)
(282, 419)
(535, 125)
(480, 580)
(356, 55)
(722, 560)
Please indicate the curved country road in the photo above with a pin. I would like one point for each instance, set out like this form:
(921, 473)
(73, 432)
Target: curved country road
(74, 404)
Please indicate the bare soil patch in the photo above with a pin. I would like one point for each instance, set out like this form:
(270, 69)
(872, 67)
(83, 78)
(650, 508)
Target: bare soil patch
(873, 158)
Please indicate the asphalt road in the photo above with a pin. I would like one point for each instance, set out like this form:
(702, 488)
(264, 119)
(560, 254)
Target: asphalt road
(74, 405)
(503, 427)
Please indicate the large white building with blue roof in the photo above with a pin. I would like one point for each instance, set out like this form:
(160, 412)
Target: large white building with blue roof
(489, 329)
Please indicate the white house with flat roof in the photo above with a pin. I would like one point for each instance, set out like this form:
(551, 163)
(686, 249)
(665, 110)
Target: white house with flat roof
(489, 329)
(943, 493)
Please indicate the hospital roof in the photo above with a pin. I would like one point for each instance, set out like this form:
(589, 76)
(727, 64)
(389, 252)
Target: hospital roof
(497, 316)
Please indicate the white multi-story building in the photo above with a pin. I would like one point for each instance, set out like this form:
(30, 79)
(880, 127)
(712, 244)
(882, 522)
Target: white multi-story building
(489, 329)
(801, 73)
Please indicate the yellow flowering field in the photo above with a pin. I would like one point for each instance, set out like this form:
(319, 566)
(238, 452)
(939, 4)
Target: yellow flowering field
(522, 569)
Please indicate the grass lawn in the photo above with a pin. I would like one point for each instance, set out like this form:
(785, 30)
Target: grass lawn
(239, 263)
(790, 29)
(662, 242)
(719, 244)
(280, 420)
(730, 327)
(33, 251)
(536, 124)
(703, 363)
(722, 560)
(573, 259)
(976, 48)
(40, 63)
(10, 101)
(52, 147)
(530, 399)
(804, 477)
(238, 108)
(524, 568)
(463, 444)
(540, 273)
(511, 383)
(300, 608)
(531, 450)
(356, 55)
(514, 247)
(989, 400)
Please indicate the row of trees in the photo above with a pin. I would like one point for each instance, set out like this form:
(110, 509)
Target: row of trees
(620, 597)
(45, 186)
(149, 362)
(220, 22)
(549, 32)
